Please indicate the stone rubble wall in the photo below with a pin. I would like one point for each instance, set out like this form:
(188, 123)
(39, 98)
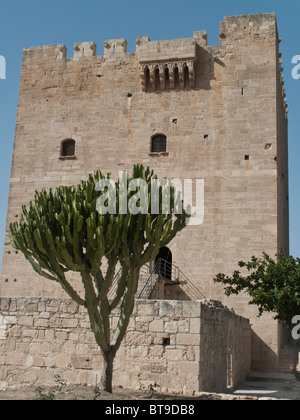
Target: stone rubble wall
(180, 346)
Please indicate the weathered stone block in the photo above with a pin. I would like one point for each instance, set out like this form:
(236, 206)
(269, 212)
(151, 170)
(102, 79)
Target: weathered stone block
(26, 321)
(171, 327)
(69, 323)
(166, 309)
(156, 326)
(188, 339)
(191, 309)
(41, 323)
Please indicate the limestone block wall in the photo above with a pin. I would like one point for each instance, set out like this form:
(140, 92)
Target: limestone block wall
(180, 346)
(227, 125)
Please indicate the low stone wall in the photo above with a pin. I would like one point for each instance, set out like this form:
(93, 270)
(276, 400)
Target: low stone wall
(183, 347)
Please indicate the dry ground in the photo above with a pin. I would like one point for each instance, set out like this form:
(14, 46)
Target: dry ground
(90, 393)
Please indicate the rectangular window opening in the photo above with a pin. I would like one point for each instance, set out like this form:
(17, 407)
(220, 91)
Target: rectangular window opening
(159, 144)
(166, 341)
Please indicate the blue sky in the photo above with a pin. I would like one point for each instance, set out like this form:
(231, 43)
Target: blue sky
(43, 22)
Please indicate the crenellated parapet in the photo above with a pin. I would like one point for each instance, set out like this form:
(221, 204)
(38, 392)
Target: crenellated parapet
(178, 64)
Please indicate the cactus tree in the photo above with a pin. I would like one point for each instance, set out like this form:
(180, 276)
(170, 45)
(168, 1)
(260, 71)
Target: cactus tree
(63, 231)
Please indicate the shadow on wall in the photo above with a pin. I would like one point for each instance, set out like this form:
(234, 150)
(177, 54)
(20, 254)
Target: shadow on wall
(204, 69)
(264, 359)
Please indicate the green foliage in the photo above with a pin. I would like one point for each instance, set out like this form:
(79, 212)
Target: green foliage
(274, 286)
(62, 231)
(43, 395)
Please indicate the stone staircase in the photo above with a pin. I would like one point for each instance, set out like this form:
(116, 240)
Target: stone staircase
(277, 385)
(167, 281)
(164, 281)
(286, 359)
(144, 276)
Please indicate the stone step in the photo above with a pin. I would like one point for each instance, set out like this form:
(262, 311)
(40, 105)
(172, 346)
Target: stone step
(286, 360)
(268, 386)
(265, 378)
(271, 384)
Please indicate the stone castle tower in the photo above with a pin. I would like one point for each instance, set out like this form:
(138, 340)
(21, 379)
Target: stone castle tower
(189, 111)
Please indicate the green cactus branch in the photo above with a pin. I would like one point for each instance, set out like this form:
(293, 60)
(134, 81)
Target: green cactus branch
(127, 307)
(120, 289)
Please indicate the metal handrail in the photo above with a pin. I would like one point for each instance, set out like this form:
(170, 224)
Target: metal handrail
(114, 285)
(113, 288)
(164, 270)
(150, 283)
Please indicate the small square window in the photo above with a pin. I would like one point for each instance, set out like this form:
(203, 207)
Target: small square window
(159, 144)
(67, 148)
(247, 157)
(166, 341)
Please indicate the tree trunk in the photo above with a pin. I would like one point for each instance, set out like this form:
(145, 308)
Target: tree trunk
(107, 370)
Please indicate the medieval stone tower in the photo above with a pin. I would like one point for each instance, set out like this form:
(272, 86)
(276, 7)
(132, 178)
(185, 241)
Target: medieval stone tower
(189, 111)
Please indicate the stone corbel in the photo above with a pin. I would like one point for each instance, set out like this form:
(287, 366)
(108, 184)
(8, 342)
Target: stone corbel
(143, 78)
(161, 76)
(181, 74)
(190, 65)
(171, 75)
(152, 74)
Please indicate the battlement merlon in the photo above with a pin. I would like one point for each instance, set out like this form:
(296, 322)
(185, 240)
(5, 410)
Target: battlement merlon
(84, 49)
(115, 46)
(248, 25)
(58, 51)
(264, 23)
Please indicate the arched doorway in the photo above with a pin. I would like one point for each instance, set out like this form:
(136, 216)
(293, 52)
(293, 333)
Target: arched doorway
(163, 263)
